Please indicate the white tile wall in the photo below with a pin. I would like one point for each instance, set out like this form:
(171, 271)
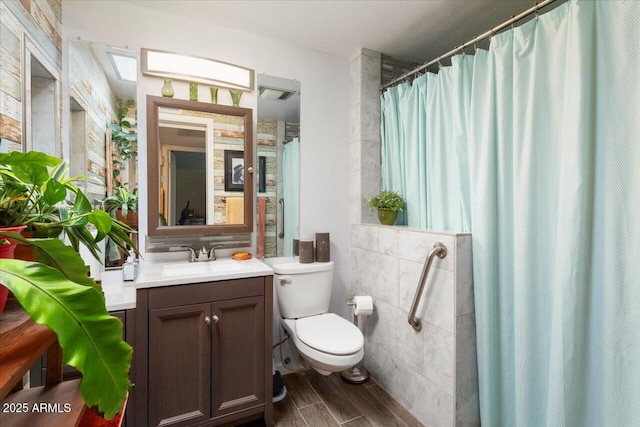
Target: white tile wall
(431, 372)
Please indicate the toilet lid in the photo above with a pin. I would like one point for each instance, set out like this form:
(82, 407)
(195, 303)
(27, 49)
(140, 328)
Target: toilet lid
(329, 333)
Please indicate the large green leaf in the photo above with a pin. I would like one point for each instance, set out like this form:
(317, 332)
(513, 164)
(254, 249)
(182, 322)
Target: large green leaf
(90, 338)
(31, 157)
(31, 173)
(54, 193)
(56, 254)
(102, 222)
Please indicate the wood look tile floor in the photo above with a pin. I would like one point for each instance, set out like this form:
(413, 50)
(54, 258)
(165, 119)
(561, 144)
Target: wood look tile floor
(316, 401)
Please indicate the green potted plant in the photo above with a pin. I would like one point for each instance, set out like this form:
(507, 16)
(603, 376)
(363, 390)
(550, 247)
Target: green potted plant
(35, 192)
(123, 205)
(388, 203)
(55, 288)
(56, 291)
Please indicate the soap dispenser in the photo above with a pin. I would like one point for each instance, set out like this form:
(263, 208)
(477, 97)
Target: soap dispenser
(128, 270)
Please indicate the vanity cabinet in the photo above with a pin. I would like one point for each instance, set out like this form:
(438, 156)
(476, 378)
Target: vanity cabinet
(207, 353)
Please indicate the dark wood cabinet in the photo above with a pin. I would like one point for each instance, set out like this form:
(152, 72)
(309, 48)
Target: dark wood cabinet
(205, 353)
(179, 365)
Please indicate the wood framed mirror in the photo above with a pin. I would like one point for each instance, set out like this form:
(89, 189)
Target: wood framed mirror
(192, 151)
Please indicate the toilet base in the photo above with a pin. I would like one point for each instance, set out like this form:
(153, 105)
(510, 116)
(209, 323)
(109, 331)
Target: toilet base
(355, 375)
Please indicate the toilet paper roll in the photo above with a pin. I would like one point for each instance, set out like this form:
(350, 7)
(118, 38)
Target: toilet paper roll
(363, 305)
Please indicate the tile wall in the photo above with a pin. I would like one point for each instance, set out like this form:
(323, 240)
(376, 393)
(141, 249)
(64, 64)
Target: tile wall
(431, 372)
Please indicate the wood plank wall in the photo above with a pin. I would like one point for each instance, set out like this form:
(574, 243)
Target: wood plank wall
(41, 21)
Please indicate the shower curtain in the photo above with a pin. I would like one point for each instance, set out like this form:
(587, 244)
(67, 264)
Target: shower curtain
(548, 143)
(291, 194)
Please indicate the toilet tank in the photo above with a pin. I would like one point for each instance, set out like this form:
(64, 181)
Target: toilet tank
(302, 289)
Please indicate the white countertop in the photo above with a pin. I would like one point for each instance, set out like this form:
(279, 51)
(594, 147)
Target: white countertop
(120, 295)
(155, 274)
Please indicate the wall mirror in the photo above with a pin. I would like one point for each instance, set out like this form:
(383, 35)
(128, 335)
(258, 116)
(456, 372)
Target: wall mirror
(278, 154)
(103, 128)
(200, 168)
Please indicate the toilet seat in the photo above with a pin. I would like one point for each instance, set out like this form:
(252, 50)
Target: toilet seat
(330, 333)
(322, 361)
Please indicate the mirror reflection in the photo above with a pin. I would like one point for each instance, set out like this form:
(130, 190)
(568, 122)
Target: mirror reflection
(199, 157)
(201, 167)
(278, 154)
(103, 130)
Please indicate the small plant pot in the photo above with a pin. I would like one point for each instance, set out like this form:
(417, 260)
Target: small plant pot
(7, 251)
(387, 216)
(131, 219)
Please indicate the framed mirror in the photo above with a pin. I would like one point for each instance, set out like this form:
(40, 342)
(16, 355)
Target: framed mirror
(278, 154)
(200, 168)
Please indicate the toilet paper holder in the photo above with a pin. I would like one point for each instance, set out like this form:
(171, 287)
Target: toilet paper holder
(356, 374)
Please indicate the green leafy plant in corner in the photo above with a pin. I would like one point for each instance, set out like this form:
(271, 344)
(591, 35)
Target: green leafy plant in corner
(387, 199)
(56, 291)
(122, 199)
(124, 138)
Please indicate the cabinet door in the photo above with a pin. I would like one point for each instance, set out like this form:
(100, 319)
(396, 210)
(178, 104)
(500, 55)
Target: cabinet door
(238, 354)
(179, 365)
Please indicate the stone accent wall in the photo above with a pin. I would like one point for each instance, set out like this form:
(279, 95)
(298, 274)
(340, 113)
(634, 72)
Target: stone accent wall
(41, 22)
(228, 134)
(267, 146)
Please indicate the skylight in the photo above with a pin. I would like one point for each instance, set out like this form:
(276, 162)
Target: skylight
(125, 66)
(276, 94)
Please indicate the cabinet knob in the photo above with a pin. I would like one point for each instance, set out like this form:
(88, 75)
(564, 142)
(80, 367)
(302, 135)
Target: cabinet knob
(250, 170)
(207, 320)
(216, 319)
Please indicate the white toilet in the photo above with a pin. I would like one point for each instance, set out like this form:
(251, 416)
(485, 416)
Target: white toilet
(326, 341)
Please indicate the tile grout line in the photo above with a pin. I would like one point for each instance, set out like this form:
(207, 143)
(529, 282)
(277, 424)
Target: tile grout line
(352, 419)
(321, 399)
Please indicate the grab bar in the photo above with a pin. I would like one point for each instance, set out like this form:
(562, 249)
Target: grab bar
(281, 234)
(441, 251)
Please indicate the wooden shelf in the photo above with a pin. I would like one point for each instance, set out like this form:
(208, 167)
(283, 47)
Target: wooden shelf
(23, 342)
(47, 406)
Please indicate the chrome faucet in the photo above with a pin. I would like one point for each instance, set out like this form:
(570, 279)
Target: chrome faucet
(193, 257)
(212, 251)
(203, 254)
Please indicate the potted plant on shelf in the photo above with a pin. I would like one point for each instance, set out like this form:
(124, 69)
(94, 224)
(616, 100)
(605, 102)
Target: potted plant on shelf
(35, 192)
(123, 205)
(56, 291)
(55, 288)
(388, 203)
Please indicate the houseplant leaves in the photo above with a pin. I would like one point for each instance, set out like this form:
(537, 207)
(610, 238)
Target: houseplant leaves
(62, 297)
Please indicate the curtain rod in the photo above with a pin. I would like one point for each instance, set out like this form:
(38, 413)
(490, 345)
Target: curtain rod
(482, 36)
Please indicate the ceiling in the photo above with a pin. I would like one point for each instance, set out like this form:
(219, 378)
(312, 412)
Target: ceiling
(413, 30)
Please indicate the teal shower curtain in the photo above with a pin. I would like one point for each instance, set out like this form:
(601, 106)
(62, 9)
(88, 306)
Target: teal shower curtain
(291, 194)
(545, 128)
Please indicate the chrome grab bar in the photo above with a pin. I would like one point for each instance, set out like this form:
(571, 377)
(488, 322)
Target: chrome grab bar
(441, 251)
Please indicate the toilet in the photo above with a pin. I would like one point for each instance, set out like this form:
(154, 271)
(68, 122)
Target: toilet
(326, 341)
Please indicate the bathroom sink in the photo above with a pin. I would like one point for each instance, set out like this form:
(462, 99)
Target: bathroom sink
(167, 273)
(200, 268)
